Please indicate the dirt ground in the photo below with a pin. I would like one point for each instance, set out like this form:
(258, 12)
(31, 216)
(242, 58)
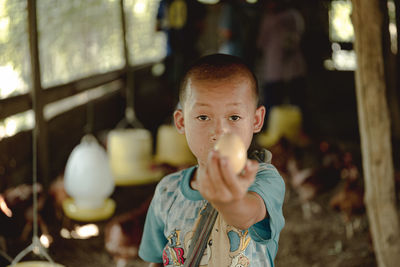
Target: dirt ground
(321, 240)
(317, 241)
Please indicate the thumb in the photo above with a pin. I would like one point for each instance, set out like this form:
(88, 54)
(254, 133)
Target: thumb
(249, 171)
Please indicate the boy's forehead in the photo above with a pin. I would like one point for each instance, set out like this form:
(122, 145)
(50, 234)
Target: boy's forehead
(219, 84)
(196, 87)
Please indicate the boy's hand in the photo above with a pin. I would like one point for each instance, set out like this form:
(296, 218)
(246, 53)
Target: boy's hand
(228, 192)
(218, 184)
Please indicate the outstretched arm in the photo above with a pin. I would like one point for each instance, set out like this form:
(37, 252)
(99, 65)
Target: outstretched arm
(152, 264)
(228, 192)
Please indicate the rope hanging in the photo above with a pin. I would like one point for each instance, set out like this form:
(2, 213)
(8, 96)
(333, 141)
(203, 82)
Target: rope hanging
(36, 247)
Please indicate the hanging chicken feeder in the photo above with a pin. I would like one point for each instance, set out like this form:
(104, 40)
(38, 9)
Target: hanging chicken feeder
(89, 182)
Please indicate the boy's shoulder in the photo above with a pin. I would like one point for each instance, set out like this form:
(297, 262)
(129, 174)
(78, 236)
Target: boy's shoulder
(267, 168)
(171, 182)
(170, 190)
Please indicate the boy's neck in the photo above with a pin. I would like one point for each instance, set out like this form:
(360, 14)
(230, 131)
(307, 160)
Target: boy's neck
(193, 180)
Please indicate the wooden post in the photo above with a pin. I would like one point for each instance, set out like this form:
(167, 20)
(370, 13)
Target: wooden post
(374, 124)
(37, 96)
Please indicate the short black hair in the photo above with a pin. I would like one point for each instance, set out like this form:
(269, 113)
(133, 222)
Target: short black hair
(217, 67)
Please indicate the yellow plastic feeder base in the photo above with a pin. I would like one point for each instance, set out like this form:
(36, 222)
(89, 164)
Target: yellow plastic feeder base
(36, 264)
(74, 212)
(143, 178)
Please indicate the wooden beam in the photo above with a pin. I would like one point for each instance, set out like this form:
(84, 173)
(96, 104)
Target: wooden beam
(40, 144)
(374, 122)
(15, 104)
(65, 90)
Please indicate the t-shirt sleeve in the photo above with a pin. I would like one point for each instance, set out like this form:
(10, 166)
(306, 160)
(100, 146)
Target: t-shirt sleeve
(271, 187)
(153, 239)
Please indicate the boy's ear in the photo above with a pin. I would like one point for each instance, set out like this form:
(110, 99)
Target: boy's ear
(179, 121)
(259, 119)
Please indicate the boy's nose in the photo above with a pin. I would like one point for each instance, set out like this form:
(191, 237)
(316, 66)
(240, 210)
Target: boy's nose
(220, 128)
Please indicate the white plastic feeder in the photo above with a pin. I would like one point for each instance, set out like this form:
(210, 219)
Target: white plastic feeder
(88, 180)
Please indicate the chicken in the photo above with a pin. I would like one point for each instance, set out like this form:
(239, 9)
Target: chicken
(5, 222)
(19, 201)
(349, 200)
(124, 233)
(281, 152)
(58, 194)
(321, 174)
(311, 181)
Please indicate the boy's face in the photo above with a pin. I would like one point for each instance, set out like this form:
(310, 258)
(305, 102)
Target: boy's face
(212, 108)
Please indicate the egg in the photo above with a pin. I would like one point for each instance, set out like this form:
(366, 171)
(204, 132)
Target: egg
(231, 146)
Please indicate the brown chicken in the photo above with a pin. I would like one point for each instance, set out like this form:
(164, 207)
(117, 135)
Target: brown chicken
(19, 201)
(281, 152)
(321, 174)
(58, 194)
(349, 200)
(124, 233)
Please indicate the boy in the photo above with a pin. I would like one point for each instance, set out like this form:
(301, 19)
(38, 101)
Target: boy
(218, 95)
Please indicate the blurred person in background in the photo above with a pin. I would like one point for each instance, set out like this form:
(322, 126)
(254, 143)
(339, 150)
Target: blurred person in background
(281, 67)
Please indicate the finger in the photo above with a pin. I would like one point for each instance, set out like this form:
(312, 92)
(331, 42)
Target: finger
(230, 178)
(215, 172)
(214, 169)
(249, 172)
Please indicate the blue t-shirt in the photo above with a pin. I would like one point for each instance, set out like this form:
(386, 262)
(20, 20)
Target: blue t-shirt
(175, 211)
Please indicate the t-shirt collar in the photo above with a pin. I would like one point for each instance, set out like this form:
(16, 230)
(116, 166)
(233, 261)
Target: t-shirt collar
(187, 191)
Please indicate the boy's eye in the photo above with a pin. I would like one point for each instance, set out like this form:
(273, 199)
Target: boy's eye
(234, 118)
(203, 118)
